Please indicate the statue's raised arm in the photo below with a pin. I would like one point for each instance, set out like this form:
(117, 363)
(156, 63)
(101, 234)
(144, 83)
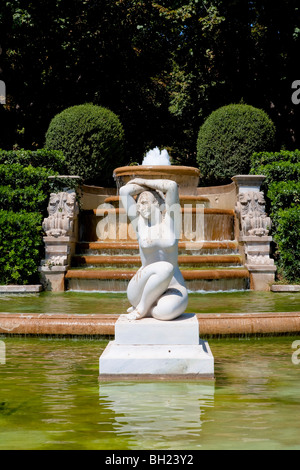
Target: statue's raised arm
(167, 187)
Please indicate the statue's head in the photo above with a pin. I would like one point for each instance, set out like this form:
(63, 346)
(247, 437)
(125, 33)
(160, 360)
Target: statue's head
(149, 202)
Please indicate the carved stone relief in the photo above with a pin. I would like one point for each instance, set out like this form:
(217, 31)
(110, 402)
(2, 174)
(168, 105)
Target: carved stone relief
(60, 228)
(251, 210)
(62, 210)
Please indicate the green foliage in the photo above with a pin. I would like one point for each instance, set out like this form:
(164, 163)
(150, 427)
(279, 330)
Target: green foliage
(22, 199)
(24, 194)
(50, 159)
(25, 188)
(20, 246)
(264, 158)
(227, 140)
(279, 171)
(162, 66)
(282, 186)
(92, 140)
(19, 176)
(283, 195)
(288, 242)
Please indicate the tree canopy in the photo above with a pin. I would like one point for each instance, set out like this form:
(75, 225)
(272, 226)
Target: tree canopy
(162, 66)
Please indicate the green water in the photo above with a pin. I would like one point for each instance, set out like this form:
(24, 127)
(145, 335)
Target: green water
(97, 303)
(50, 398)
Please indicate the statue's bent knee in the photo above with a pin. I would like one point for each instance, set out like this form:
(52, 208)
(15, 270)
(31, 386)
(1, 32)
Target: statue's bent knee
(165, 269)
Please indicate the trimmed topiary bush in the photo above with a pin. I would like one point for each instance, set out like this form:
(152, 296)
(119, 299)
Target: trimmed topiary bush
(228, 138)
(92, 140)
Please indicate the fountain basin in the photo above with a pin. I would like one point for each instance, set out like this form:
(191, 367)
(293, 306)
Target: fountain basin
(210, 324)
(186, 177)
(95, 313)
(50, 400)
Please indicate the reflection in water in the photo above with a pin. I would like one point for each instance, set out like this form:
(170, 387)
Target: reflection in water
(49, 400)
(158, 415)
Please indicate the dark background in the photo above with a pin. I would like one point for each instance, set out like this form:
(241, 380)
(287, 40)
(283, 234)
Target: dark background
(162, 66)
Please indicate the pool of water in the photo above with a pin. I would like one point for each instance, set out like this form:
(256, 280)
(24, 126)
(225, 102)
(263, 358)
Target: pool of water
(50, 398)
(100, 303)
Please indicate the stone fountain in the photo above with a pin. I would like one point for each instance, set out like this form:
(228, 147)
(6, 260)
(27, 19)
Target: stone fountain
(224, 242)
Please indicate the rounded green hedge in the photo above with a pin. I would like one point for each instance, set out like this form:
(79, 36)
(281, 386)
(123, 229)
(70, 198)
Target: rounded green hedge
(228, 138)
(92, 140)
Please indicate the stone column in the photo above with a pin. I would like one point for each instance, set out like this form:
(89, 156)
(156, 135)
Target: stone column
(254, 228)
(61, 235)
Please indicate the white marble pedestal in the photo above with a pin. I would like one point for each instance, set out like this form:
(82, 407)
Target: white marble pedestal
(154, 349)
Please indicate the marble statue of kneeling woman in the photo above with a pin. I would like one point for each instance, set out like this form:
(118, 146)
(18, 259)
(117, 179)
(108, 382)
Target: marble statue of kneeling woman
(158, 288)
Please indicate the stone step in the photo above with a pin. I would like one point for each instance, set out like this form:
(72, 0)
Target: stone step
(131, 247)
(127, 274)
(189, 260)
(116, 280)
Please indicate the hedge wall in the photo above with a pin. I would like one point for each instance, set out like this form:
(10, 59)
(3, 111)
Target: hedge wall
(24, 193)
(51, 159)
(288, 241)
(282, 188)
(20, 246)
(264, 158)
